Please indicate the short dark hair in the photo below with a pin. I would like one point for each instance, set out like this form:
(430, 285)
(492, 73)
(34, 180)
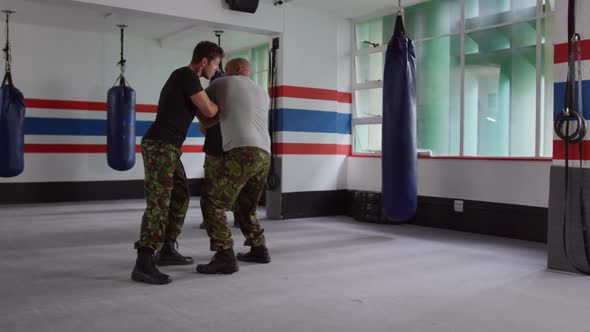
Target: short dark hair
(206, 49)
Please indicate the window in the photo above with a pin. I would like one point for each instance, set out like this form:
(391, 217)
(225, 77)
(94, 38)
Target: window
(484, 80)
(371, 40)
(260, 65)
(258, 57)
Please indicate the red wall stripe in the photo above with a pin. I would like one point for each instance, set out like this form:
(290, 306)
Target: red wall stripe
(66, 104)
(72, 105)
(146, 108)
(280, 91)
(574, 151)
(345, 97)
(90, 148)
(561, 52)
(311, 148)
(535, 159)
(65, 148)
(311, 93)
(192, 148)
(280, 148)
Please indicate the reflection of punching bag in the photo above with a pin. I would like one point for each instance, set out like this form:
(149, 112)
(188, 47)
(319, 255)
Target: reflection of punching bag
(12, 118)
(121, 122)
(399, 151)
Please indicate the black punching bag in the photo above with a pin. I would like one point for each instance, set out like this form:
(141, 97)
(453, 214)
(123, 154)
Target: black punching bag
(12, 118)
(121, 128)
(121, 122)
(399, 151)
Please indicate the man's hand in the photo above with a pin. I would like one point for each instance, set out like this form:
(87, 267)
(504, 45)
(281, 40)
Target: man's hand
(202, 128)
(204, 124)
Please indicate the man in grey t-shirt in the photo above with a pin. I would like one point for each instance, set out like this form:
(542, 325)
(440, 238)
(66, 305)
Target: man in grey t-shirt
(236, 180)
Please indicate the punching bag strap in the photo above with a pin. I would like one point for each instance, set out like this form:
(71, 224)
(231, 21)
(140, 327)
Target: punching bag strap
(122, 62)
(580, 109)
(218, 34)
(6, 50)
(272, 181)
(399, 21)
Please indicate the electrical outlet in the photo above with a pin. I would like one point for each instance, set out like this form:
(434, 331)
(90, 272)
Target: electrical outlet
(458, 206)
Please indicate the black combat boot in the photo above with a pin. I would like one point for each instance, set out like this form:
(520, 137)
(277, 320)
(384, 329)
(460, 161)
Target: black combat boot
(256, 255)
(223, 262)
(145, 270)
(169, 255)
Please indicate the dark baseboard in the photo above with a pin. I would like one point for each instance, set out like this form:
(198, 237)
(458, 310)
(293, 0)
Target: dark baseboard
(314, 204)
(50, 192)
(506, 220)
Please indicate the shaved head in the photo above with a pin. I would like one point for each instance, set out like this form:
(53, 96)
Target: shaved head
(238, 66)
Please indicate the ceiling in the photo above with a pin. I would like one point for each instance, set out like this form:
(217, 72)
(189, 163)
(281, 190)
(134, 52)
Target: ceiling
(346, 8)
(171, 32)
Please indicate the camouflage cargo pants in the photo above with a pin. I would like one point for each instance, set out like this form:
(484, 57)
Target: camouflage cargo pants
(234, 182)
(166, 192)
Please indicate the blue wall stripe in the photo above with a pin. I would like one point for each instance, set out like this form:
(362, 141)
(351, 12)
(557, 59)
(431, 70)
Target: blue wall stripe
(298, 120)
(85, 127)
(295, 120)
(559, 98)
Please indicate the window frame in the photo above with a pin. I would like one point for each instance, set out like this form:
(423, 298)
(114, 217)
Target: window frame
(538, 18)
(249, 50)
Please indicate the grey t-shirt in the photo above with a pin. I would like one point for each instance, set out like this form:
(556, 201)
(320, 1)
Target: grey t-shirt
(243, 112)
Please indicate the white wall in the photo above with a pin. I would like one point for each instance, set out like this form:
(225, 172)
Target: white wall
(509, 182)
(53, 63)
(315, 53)
(64, 64)
(310, 49)
(56, 63)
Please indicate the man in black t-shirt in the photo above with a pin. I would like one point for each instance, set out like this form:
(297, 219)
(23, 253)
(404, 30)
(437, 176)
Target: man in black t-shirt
(166, 187)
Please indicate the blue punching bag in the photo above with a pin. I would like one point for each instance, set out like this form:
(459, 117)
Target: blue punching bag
(121, 128)
(12, 137)
(12, 118)
(399, 150)
(121, 122)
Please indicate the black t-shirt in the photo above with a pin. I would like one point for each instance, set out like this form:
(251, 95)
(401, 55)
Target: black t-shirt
(213, 141)
(176, 110)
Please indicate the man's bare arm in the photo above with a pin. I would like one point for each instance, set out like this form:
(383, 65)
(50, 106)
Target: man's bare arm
(207, 108)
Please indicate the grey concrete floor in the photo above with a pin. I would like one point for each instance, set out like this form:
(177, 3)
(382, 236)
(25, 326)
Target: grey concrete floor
(66, 267)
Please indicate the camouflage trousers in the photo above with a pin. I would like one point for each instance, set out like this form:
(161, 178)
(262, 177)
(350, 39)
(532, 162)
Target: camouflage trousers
(234, 182)
(166, 192)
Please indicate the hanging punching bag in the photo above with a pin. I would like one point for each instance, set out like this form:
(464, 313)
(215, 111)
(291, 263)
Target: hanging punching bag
(399, 150)
(12, 118)
(121, 122)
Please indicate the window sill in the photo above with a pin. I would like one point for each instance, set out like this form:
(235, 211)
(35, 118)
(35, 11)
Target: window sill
(539, 159)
